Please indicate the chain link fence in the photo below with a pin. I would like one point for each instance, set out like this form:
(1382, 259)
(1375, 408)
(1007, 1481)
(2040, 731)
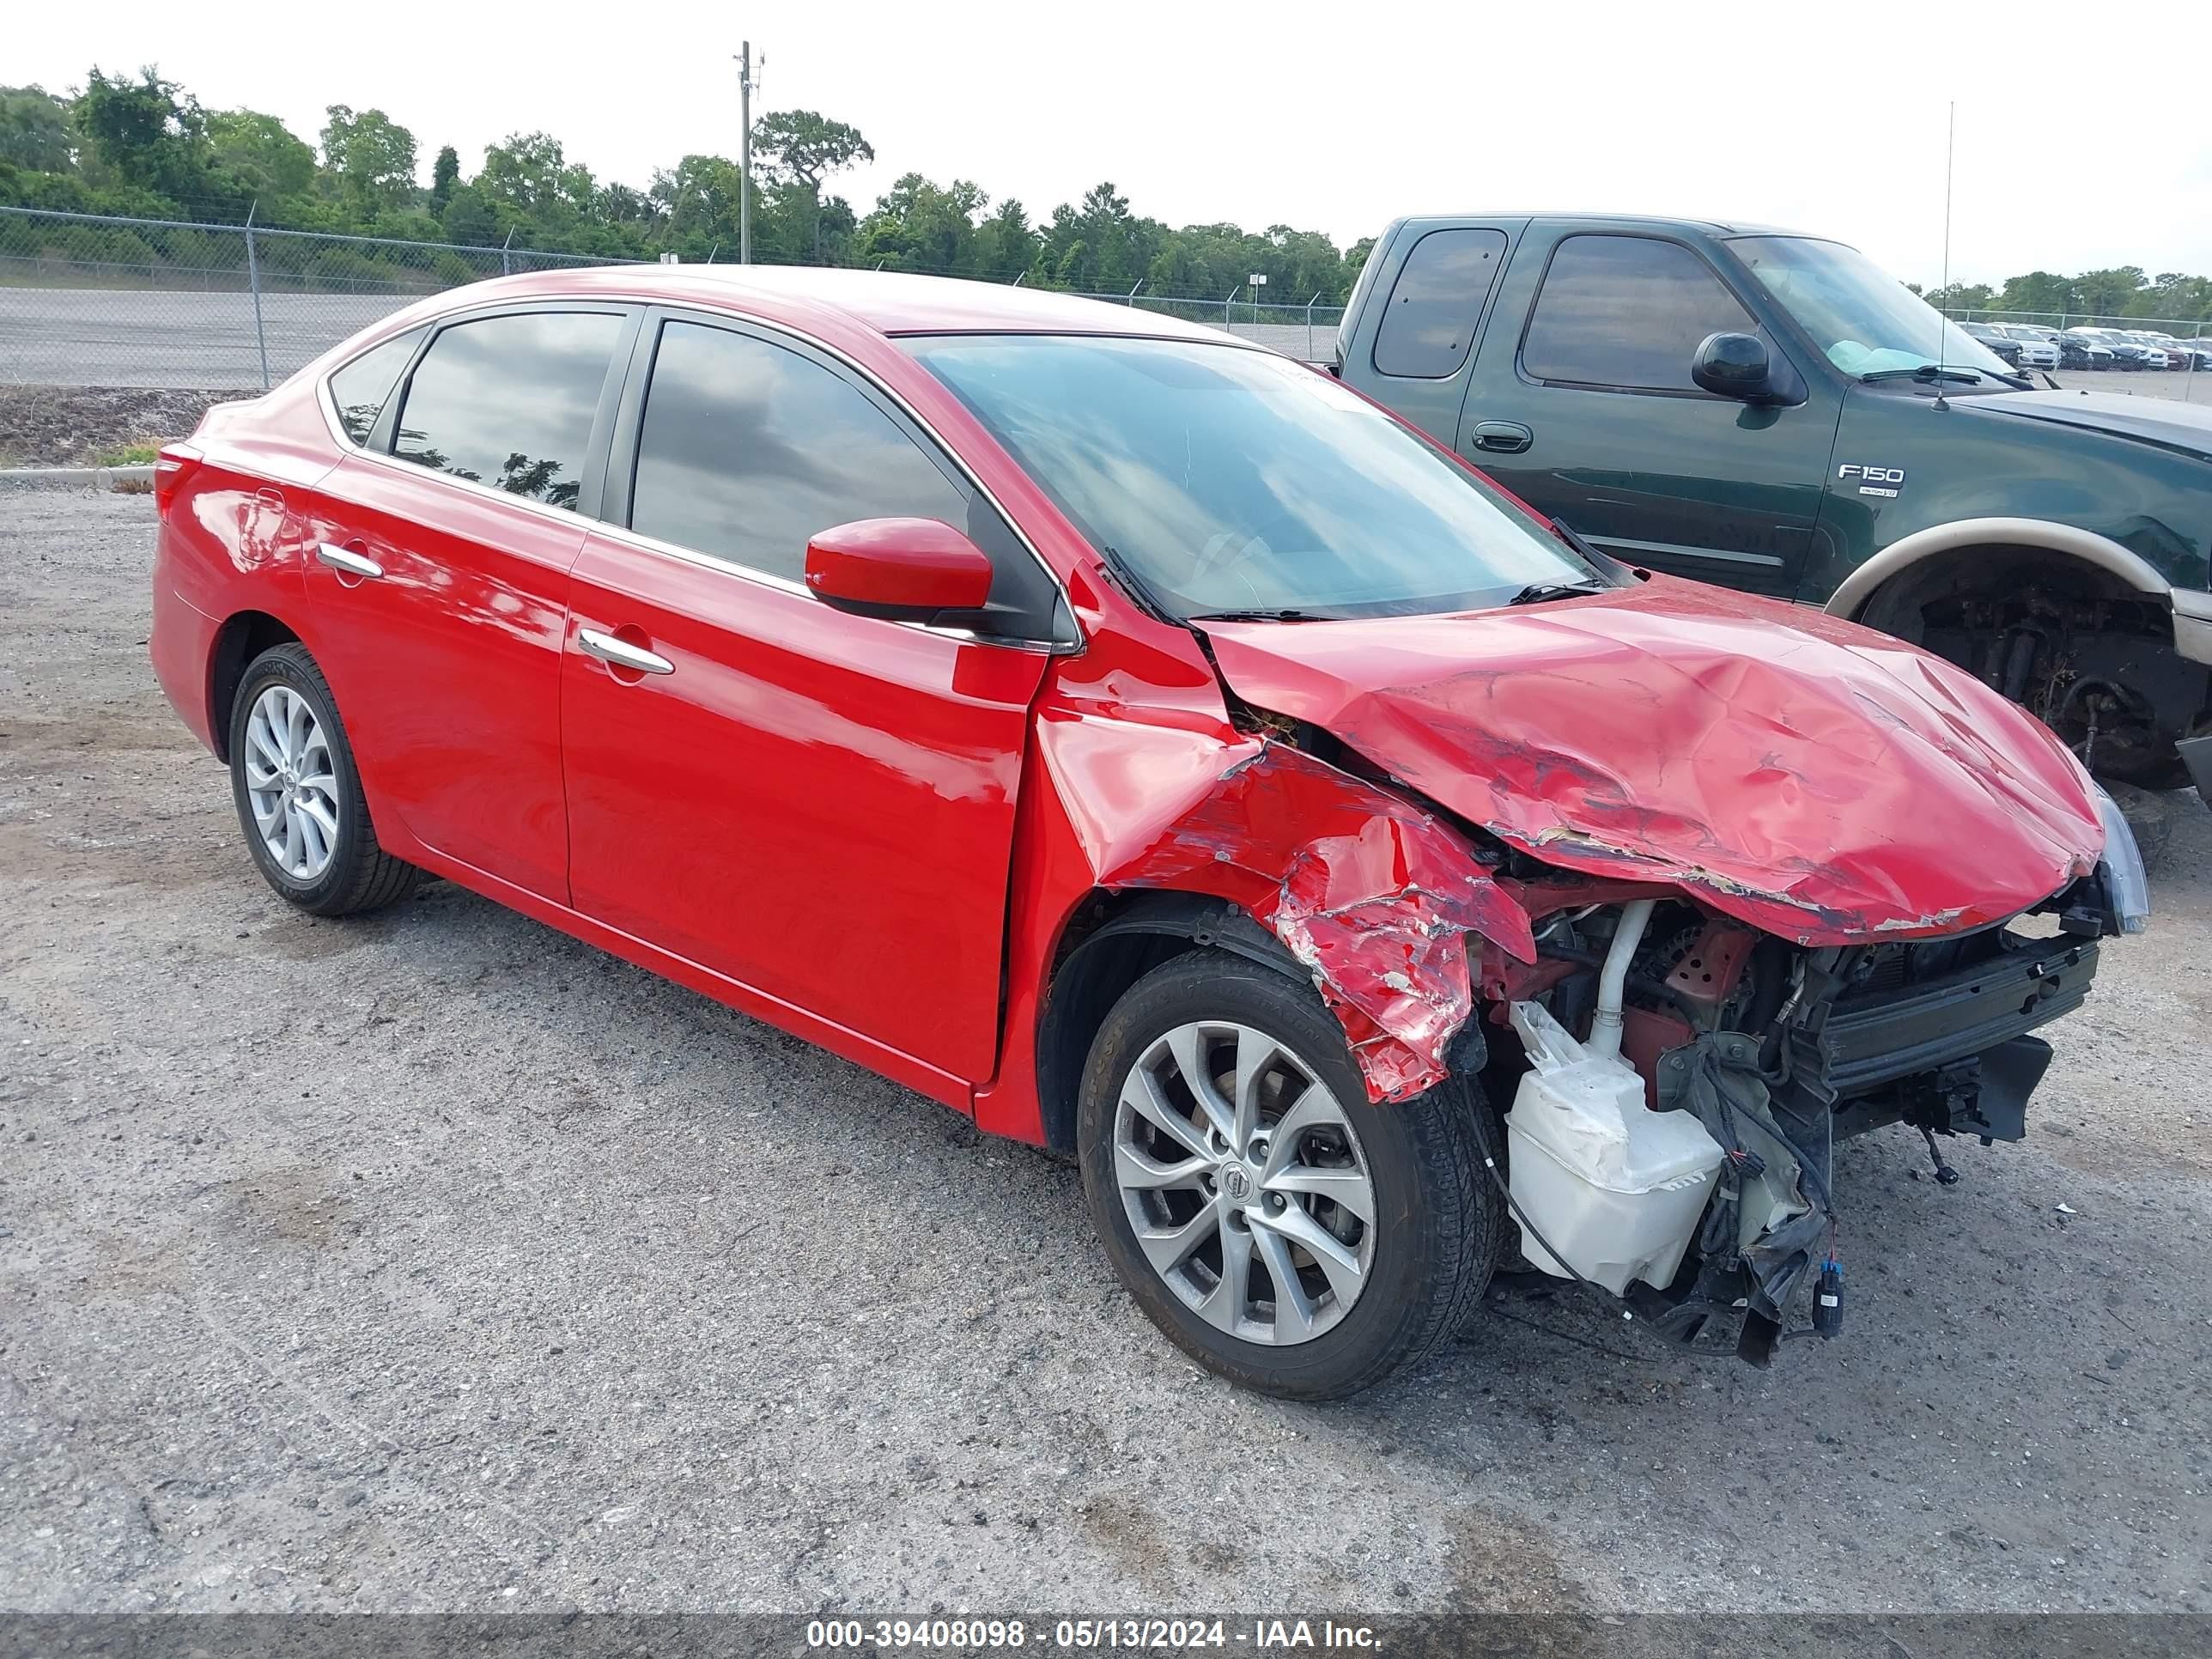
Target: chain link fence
(87, 301)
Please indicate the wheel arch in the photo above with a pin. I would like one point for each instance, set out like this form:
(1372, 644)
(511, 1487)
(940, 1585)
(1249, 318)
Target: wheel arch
(1116, 938)
(2129, 570)
(244, 635)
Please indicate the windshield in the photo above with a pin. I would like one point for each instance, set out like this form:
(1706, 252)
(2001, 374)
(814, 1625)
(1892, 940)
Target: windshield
(1864, 319)
(1227, 479)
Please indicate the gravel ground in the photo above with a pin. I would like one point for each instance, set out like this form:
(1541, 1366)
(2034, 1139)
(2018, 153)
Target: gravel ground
(434, 1260)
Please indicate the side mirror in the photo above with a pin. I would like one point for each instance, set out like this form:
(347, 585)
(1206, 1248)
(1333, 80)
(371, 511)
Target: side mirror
(1733, 366)
(903, 569)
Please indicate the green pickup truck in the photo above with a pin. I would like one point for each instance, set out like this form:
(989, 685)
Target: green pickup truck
(1771, 411)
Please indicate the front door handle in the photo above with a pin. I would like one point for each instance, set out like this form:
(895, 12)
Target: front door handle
(352, 564)
(1503, 437)
(622, 654)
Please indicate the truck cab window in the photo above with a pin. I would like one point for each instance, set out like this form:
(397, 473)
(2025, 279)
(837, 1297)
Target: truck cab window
(1428, 324)
(1626, 311)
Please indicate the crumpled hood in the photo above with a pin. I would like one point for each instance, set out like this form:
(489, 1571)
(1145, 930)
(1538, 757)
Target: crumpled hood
(1814, 778)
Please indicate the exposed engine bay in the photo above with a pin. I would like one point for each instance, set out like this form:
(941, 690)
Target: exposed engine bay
(1652, 1010)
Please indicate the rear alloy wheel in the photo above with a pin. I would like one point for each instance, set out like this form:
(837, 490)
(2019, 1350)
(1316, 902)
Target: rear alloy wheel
(299, 796)
(1285, 1232)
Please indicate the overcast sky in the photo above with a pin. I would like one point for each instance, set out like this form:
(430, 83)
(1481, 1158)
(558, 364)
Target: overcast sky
(2072, 153)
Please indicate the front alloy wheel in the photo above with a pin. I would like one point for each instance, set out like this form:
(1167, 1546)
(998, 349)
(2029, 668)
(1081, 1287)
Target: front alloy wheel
(1280, 1228)
(1244, 1183)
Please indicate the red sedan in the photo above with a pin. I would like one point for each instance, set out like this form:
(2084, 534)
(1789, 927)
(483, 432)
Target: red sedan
(1139, 742)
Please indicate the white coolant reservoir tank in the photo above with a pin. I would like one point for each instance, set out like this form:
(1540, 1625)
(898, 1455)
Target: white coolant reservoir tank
(1614, 1187)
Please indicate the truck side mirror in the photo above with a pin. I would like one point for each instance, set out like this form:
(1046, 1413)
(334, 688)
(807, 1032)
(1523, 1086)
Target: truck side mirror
(1734, 365)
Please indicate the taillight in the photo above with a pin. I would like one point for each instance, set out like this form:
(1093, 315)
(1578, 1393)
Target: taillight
(172, 466)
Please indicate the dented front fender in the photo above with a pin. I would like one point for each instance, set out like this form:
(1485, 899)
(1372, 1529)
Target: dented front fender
(1376, 897)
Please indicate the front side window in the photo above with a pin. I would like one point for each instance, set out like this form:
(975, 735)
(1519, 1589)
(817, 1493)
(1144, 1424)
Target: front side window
(359, 391)
(508, 401)
(1627, 312)
(1428, 327)
(1227, 479)
(749, 448)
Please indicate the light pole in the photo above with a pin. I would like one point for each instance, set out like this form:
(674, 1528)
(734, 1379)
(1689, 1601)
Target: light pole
(745, 154)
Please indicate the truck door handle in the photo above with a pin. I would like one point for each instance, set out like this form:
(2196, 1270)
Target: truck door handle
(1503, 437)
(622, 654)
(344, 559)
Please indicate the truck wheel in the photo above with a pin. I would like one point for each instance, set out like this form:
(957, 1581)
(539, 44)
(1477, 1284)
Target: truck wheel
(299, 796)
(1283, 1231)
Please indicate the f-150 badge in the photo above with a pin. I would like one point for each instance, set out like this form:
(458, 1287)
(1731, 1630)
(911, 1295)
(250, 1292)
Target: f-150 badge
(1874, 480)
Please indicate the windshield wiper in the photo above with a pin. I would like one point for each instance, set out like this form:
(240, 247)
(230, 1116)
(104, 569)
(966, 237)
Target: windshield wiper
(1537, 593)
(1251, 616)
(1926, 372)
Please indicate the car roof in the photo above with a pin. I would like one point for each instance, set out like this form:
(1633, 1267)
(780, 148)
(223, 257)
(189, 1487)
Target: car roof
(1643, 220)
(885, 303)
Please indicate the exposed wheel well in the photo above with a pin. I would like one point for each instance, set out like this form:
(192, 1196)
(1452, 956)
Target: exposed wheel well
(1898, 606)
(2087, 652)
(1115, 941)
(242, 638)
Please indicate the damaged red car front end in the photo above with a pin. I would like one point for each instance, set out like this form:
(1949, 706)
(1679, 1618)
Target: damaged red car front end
(1437, 817)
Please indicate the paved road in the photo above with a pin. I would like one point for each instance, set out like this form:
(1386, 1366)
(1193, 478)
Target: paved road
(102, 337)
(434, 1260)
(99, 336)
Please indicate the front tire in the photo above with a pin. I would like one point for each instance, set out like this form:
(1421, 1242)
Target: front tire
(1282, 1230)
(298, 795)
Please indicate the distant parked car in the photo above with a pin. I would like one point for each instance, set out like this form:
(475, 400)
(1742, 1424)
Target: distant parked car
(2000, 343)
(2037, 347)
(2126, 353)
(2154, 353)
(2080, 350)
(2188, 354)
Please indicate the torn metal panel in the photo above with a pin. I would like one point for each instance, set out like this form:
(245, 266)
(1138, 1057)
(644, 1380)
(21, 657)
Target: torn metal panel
(1814, 778)
(1375, 896)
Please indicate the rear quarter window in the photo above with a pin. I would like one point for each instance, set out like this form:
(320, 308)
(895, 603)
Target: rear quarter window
(360, 390)
(1428, 327)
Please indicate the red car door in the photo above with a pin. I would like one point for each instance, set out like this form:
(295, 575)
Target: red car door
(441, 577)
(818, 806)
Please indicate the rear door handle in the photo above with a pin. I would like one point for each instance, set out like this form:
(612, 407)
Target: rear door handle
(352, 564)
(1503, 437)
(622, 654)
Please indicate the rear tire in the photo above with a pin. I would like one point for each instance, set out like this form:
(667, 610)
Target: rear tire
(1424, 1255)
(298, 795)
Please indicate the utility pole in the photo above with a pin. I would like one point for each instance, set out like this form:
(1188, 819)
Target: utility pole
(745, 152)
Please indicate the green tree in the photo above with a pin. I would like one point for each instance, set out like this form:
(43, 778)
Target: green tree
(531, 177)
(34, 131)
(372, 157)
(148, 132)
(802, 147)
(469, 220)
(261, 152)
(920, 226)
(445, 177)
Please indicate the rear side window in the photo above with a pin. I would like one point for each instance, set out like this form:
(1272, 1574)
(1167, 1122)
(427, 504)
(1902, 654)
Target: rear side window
(747, 449)
(359, 391)
(508, 401)
(1428, 324)
(1626, 310)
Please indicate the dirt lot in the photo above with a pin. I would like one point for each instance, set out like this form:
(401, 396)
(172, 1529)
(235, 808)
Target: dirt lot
(82, 426)
(435, 1260)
